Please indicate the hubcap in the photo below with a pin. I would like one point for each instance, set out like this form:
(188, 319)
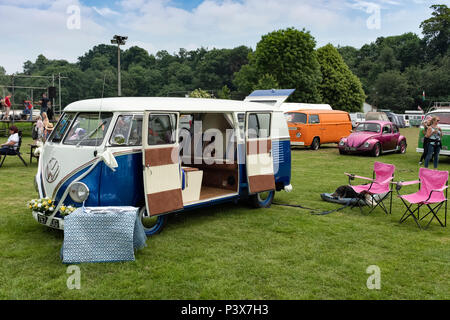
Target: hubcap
(147, 221)
(263, 196)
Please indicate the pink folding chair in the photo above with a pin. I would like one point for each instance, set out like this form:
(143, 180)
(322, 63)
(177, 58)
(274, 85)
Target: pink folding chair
(432, 184)
(379, 187)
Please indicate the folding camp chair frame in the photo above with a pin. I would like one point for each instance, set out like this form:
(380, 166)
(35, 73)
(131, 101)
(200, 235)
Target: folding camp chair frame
(15, 152)
(379, 203)
(417, 219)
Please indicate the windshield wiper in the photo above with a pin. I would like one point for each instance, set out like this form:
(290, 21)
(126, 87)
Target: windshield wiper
(91, 133)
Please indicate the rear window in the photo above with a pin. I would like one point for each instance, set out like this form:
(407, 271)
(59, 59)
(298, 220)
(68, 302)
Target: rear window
(444, 117)
(295, 117)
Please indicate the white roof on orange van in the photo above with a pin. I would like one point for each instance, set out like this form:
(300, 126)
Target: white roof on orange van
(291, 106)
(165, 104)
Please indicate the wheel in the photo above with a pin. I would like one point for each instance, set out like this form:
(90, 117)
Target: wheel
(152, 225)
(342, 152)
(402, 147)
(315, 144)
(376, 151)
(262, 199)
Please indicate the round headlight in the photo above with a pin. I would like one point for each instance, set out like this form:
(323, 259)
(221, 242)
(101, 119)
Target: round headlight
(298, 134)
(366, 145)
(79, 192)
(342, 142)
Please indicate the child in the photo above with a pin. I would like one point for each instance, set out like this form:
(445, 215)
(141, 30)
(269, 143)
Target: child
(40, 129)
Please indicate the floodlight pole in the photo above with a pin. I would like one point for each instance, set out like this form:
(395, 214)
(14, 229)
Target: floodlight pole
(119, 40)
(119, 84)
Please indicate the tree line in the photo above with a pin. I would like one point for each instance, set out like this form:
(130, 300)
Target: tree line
(391, 73)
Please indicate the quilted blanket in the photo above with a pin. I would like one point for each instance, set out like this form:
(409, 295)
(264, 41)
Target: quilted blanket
(102, 234)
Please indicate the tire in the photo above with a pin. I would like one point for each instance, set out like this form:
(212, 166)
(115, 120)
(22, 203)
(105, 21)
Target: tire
(152, 225)
(376, 151)
(262, 199)
(315, 144)
(402, 147)
(342, 152)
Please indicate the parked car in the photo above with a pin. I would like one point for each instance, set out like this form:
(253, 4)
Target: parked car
(379, 116)
(375, 138)
(356, 118)
(401, 120)
(311, 128)
(396, 119)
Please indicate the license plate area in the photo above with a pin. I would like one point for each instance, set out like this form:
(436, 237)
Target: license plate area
(42, 219)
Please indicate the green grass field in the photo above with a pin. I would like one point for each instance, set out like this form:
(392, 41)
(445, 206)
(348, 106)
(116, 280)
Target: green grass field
(234, 252)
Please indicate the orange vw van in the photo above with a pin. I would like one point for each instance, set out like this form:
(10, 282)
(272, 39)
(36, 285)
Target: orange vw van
(311, 128)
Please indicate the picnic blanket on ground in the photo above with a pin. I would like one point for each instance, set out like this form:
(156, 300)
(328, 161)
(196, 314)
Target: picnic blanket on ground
(102, 234)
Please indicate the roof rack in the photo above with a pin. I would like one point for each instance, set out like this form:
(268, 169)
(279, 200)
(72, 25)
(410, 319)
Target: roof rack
(439, 105)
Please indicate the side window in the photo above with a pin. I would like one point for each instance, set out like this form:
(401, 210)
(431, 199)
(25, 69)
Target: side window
(241, 121)
(295, 117)
(313, 118)
(258, 125)
(61, 128)
(127, 131)
(394, 129)
(386, 129)
(161, 129)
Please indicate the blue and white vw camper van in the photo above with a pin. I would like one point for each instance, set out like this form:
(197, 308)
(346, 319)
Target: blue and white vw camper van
(163, 155)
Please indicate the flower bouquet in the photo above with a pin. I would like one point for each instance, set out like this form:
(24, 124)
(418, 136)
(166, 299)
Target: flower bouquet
(47, 207)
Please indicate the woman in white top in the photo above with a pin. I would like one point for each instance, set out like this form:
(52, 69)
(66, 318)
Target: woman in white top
(13, 142)
(434, 134)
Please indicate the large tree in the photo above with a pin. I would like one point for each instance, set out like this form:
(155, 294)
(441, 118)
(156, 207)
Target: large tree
(339, 87)
(436, 30)
(289, 56)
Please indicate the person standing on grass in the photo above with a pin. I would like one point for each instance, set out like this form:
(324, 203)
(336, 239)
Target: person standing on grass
(426, 123)
(50, 111)
(44, 103)
(6, 102)
(13, 142)
(434, 134)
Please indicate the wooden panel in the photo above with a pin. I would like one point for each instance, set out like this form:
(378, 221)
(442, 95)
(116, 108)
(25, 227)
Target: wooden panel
(161, 156)
(261, 183)
(163, 202)
(259, 146)
(216, 178)
(208, 193)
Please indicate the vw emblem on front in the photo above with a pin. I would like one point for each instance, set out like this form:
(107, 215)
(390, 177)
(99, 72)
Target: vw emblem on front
(52, 170)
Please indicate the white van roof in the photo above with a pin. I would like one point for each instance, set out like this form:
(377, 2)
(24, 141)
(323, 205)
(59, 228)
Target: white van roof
(139, 104)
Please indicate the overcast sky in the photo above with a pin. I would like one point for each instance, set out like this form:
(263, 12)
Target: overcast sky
(66, 29)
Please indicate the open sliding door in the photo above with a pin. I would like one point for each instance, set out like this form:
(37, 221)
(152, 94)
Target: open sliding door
(162, 179)
(259, 161)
